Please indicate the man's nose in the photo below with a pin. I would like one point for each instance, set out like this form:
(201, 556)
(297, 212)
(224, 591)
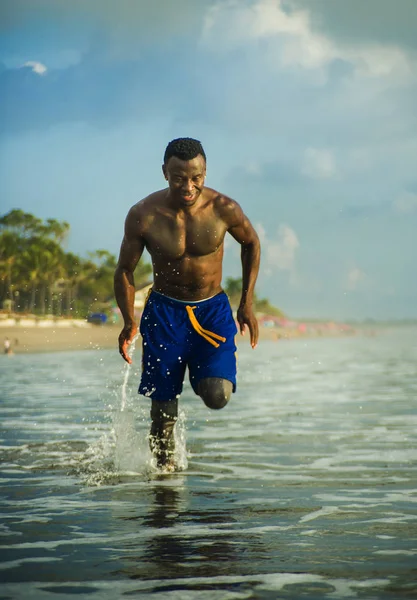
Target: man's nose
(188, 186)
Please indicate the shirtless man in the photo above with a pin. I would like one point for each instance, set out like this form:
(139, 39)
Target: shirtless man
(187, 319)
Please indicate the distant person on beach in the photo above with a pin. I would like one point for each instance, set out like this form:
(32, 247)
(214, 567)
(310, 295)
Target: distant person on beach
(7, 346)
(187, 319)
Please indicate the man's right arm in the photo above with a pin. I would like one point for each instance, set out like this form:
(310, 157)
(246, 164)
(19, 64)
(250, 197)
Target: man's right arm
(124, 285)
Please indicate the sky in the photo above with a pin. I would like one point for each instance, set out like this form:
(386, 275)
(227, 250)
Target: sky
(306, 111)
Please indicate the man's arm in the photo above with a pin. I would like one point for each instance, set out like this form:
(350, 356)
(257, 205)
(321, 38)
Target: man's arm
(124, 285)
(243, 232)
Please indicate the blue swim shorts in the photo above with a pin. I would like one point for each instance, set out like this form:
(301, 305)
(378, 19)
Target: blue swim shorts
(176, 335)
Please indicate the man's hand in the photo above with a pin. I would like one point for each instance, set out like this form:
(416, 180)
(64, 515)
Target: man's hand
(125, 339)
(246, 317)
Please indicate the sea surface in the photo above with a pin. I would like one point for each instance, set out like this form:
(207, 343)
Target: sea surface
(303, 487)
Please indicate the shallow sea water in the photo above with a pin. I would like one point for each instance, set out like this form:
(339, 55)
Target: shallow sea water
(303, 487)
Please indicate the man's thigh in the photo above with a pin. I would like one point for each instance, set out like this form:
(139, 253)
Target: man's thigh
(214, 363)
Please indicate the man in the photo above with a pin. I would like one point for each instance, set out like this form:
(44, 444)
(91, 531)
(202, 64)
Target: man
(187, 319)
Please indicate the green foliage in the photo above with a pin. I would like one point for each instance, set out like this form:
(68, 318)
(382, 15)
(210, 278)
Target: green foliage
(233, 288)
(38, 276)
(263, 306)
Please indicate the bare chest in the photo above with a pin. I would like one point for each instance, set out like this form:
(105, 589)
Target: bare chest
(174, 238)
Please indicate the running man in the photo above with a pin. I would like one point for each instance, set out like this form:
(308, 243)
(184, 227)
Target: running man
(187, 320)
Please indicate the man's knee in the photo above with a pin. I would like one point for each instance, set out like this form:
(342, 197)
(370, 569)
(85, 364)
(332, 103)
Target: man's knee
(215, 392)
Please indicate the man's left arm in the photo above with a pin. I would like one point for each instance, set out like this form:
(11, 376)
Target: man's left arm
(242, 231)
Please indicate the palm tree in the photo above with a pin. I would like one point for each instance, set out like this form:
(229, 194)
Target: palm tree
(50, 257)
(56, 230)
(21, 223)
(16, 229)
(34, 266)
(9, 251)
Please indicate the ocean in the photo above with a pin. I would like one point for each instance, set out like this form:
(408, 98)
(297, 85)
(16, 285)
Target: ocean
(303, 487)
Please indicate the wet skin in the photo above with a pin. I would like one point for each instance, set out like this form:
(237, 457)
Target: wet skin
(183, 228)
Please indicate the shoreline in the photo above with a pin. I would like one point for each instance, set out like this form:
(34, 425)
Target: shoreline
(25, 340)
(94, 337)
(103, 337)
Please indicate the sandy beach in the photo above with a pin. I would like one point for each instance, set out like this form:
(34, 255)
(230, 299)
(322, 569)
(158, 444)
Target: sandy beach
(92, 337)
(54, 339)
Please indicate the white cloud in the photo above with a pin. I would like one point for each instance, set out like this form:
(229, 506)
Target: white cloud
(280, 252)
(297, 44)
(37, 67)
(405, 203)
(353, 278)
(253, 168)
(319, 164)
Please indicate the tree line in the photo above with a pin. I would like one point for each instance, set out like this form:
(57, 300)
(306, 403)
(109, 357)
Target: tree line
(38, 276)
(233, 288)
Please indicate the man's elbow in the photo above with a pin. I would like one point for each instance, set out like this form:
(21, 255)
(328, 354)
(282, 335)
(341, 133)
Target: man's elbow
(118, 273)
(252, 245)
(121, 272)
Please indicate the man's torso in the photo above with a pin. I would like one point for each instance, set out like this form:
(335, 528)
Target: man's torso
(186, 246)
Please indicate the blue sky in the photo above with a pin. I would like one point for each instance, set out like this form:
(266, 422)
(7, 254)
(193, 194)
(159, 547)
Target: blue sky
(307, 112)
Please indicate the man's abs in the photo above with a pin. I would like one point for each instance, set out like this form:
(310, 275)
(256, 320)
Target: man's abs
(190, 277)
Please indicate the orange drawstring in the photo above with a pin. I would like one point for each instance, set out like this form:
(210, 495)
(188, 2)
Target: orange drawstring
(207, 335)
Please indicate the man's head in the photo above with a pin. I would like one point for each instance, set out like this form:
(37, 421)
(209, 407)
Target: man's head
(184, 149)
(185, 169)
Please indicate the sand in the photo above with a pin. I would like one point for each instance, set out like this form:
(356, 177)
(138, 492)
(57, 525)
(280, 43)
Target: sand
(54, 339)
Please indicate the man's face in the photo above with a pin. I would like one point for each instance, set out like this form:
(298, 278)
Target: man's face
(185, 178)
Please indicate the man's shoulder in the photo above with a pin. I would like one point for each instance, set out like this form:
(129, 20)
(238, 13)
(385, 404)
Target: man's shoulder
(142, 214)
(220, 200)
(149, 204)
(223, 205)
(154, 199)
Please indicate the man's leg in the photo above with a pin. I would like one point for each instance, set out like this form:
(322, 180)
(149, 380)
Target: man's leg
(215, 391)
(164, 416)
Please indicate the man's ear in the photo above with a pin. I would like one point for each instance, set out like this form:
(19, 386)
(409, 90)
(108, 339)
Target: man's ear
(164, 171)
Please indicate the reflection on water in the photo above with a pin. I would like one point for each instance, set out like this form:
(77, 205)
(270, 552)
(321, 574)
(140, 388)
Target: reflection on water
(304, 487)
(177, 538)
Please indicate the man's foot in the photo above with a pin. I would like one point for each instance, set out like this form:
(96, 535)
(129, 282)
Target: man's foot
(168, 467)
(163, 451)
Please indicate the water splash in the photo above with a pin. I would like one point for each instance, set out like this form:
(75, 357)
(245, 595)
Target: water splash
(128, 367)
(131, 452)
(124, 451)
(180, 455)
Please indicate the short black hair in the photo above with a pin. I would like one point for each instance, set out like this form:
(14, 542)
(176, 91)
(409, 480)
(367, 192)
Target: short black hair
(184, 149)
